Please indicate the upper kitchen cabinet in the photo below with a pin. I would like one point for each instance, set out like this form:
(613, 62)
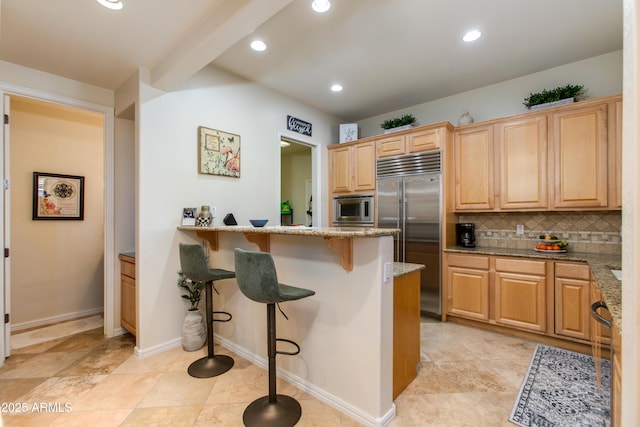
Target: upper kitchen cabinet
(564, 158)
(424, 138)
(579, 153)
(522, 162)
(473, 167)
(352, 167)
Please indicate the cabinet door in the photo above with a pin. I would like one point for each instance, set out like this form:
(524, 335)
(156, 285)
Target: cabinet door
(520, 301)
(473, 159)
(573, 311)
(390, 146)
(128, 303)
(340, 166)
(522, 150)
(580, 157)
(424, 140)
(468, 292)
(364, 166)
(618, 155)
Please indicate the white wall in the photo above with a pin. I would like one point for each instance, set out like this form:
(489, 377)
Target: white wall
(56, 266)
(168, 178)
(600, 75)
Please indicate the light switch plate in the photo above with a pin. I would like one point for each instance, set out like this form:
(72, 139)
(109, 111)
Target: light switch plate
(388, 271)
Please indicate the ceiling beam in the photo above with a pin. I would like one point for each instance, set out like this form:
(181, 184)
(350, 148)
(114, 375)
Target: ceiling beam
(227, 25)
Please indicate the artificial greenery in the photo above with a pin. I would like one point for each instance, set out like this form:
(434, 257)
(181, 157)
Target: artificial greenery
(194, 290)
(407, 119)
(561, 92)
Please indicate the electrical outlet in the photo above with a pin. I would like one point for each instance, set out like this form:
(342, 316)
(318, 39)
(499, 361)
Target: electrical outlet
(388, 271)
(519, 229)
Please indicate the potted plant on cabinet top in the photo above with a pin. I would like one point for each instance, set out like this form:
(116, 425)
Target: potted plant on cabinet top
(550, 98)
(193, 331)
(399, 123)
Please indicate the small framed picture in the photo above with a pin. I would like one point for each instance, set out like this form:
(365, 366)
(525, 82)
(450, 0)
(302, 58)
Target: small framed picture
(189, 216)
(348, 132)
(57, 196)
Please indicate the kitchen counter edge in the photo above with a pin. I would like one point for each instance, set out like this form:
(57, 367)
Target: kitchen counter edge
(300, 231)
(600, 265)
(403, 268)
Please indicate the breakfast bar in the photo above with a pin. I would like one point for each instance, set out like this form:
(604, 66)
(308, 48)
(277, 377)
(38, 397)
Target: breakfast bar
(345, 330)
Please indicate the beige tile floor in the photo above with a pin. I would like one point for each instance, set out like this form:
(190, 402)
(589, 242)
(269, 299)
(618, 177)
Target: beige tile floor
(468, 377)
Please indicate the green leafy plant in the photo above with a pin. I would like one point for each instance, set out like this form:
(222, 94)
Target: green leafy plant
(561, 92)
(193, 289)
(407, 119)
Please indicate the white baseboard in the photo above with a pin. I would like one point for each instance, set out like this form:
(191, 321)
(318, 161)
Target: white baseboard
(313, 390)
(156, 349)
(56, 319)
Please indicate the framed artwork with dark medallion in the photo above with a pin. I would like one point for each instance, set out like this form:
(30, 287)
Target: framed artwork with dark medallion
(57, 196)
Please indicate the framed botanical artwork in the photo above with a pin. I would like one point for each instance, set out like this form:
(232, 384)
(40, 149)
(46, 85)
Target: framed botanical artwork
(218, 152)
(57, 196)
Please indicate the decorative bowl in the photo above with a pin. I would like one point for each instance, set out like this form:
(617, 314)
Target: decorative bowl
(258, 222)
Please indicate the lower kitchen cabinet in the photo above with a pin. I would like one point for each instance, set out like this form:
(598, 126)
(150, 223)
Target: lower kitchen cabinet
(406, 330)
(128, 292)
(521, 294)
(468, 286)
(616, 380)
(572, 292)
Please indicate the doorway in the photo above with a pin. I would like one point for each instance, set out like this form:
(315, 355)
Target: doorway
(57, 269)
(296, 179)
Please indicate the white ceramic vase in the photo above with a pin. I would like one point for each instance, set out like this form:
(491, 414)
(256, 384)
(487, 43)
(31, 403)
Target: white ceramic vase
(193, 331)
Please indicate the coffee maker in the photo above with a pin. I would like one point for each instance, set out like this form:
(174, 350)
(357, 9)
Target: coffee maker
(466, 235)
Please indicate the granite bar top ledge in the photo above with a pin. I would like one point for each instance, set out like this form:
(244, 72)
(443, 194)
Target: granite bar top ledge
(300, 230)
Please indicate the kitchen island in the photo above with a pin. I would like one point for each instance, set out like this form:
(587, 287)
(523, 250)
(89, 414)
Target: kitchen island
(345, 330)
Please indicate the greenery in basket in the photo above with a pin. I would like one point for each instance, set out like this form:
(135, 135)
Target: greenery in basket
(194, 290)
(561, 92)
(407, 119)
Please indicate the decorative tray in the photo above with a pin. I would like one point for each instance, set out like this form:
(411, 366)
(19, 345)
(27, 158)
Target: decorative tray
(552, 251)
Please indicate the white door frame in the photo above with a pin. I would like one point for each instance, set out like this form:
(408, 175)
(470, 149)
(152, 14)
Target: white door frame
(109, 227)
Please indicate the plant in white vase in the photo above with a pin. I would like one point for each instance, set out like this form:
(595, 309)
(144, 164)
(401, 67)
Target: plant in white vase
(193, 331)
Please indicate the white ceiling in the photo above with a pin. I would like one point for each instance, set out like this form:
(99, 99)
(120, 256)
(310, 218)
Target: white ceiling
(388, 54)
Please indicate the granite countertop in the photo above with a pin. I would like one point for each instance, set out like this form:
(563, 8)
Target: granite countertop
(600, 264)
(301, 230)
(402, 268)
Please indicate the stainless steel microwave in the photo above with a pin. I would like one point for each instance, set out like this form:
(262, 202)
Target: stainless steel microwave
(353, 210)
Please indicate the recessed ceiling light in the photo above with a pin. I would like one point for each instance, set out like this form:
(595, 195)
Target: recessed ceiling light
(321, 6)
(336, 88)
(258, 45)
(472, 36)
(112, 4)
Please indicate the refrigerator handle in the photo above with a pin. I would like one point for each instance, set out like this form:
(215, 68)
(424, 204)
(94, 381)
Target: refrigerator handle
(403, 223)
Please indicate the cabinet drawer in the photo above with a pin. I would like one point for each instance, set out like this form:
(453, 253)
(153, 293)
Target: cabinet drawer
(468, 261)
(572, 271)
(524, 266)
(128, 269)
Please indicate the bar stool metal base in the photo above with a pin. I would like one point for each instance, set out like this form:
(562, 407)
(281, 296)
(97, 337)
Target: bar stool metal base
(208, 367)
(284, 412)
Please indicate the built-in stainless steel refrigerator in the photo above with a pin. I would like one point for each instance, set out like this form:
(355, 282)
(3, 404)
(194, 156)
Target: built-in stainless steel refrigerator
(408, 198)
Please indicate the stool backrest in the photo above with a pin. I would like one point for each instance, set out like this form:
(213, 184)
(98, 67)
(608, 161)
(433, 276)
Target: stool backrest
(193, 263)
(256, 276)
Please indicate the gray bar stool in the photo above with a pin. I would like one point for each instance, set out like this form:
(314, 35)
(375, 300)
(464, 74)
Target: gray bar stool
(195, 268)
(257, 279)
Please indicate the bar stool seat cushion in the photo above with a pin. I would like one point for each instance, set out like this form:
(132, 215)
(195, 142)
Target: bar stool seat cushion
(258, 281)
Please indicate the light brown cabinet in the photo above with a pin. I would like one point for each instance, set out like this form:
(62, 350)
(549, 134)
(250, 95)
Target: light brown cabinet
(579, 147)
(616, 381)
(128, 292)
(352, 168)
(522, 162)
(415, 141)
(521, 293)
(468, 286)
(568, 158)
(406, 330)
(572, 300)
(473, 168)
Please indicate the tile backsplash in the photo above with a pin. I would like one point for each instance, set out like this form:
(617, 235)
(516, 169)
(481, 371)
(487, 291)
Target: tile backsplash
(592, 232)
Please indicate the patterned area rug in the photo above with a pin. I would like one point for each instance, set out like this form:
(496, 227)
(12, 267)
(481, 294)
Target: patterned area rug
(560, 389)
